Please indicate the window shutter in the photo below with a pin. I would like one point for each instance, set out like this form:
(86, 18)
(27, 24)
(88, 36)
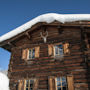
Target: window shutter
(36, 81)
(25, 54)
(37, 49)
(24, 85)
(70, 82)
(52, 83)
(66, 48)
(20, 85)
(50, 50)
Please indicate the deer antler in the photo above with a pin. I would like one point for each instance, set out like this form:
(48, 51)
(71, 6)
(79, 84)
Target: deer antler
(44, 37)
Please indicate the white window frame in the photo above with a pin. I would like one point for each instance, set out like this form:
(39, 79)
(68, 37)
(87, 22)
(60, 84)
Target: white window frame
(31, 53)
(61, 82)
(29, 83)
(56, 55)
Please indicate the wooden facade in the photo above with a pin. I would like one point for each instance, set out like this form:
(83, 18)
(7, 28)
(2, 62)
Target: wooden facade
(45, 67)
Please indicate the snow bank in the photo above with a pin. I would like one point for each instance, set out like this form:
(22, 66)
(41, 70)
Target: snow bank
(48, 18)
(4, 82)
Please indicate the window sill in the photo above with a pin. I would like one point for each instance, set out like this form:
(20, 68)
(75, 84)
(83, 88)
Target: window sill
(59, 58)
(30, 61)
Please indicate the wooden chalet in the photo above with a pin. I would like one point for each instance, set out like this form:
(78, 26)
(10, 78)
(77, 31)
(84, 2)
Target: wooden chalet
(50, 56)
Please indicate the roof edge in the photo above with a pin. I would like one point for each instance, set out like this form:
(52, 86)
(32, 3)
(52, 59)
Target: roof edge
(48, 18)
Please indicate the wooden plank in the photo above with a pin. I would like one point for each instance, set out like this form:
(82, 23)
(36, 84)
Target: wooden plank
(51, 81)
(50, 50)
(37, 50)
(70, 82)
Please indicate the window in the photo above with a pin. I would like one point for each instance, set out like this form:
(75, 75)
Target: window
(31, 54)
(61, 83)
(16, 86)
(29, 84)
(58, 50)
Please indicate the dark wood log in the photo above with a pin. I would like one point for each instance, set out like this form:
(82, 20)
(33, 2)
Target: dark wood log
(72, 64)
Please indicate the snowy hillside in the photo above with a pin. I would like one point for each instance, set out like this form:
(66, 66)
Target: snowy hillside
(4, 82)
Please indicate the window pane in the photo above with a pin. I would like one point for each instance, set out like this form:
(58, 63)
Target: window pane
(27, 81)
(31, 83)
(64, 84)
(26, 88)
(60, 51)
(64, 79)
(58, 79)
(31, 88)
(33, 53)
(30, 54)
(60, 46)
(61, 83)
(58, 88)
(56, 50)
(58, 83)
(64, 88)
(16, 87)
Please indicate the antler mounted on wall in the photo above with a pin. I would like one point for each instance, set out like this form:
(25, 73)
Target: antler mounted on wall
(44, 36)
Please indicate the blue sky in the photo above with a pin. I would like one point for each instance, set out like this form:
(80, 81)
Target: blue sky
(14, 13)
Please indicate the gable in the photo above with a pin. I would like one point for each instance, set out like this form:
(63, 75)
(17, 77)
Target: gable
(48, 18)
(7, 41)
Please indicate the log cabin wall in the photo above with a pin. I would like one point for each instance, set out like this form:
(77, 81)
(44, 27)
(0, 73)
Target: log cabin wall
(45, 66)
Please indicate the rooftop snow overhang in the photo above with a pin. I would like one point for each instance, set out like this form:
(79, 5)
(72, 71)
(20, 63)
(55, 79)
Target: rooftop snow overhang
(45, 19)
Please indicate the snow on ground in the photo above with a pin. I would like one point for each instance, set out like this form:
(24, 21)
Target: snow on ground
(4, 82)
(4, 72)
(48, 18)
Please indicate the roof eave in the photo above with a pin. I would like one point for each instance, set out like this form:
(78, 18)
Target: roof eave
(3, 44)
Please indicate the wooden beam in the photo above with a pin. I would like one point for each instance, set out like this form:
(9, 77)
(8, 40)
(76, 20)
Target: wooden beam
(27, 34)
(9, 43)
(59, 27)
(60, 30)
(82, 27)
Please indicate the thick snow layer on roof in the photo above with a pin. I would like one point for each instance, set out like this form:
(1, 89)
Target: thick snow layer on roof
(48, 18)
(4, 82)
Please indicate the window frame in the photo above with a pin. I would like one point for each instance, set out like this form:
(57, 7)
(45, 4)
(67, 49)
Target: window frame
(61, 82)
(29, 84)
(28, 55)
(55, 55)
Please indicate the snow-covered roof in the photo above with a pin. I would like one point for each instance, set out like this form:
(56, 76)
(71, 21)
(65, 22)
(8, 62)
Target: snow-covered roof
(48, 18)
(4, 82)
